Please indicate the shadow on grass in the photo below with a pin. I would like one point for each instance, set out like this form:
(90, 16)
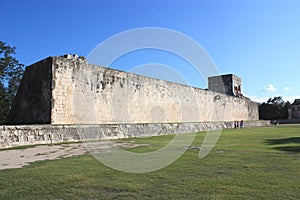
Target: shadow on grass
(286, 141)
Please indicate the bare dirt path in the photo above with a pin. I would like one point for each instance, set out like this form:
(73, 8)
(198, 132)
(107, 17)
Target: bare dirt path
(17, 158)
(22, 157)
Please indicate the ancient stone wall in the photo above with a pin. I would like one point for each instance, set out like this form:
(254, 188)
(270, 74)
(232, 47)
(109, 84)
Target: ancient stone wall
(33, 100)
(12, 136)
(81, 93)
(89, 94)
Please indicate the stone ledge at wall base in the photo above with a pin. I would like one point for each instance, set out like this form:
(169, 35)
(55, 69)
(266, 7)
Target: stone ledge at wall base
(12, 136)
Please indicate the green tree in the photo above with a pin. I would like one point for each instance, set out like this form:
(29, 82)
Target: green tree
(274, 109)
(10, 75)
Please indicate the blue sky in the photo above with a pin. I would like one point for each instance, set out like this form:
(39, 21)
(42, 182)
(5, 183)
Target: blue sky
(258, 40)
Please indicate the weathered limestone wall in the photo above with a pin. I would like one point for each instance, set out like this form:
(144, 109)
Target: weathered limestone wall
(33, 101)
(68, 90)
(12, 136)
(89, 94)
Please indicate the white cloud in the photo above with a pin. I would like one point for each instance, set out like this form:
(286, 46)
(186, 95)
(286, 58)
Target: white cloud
(269, 88)
(259, 99)
(291, 99)
(287, 88)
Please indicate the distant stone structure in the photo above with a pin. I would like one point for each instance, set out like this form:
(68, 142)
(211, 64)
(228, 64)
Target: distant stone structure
(294, 110)
(229, 84)
(68, 90)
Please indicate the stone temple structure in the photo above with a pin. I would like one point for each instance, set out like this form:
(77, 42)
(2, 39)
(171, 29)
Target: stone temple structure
(294, 110)
(228, 84)
(66, 99)
(68, 90)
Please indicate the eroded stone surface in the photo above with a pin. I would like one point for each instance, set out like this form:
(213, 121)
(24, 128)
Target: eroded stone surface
(68, 90)
(11, 136)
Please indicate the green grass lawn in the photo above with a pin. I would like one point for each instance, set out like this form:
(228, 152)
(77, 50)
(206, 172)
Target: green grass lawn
(254, 163)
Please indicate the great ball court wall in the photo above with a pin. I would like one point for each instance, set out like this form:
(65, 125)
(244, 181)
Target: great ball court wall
(61, 97)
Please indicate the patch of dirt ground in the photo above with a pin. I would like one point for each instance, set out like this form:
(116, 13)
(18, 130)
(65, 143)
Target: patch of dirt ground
(17, 158)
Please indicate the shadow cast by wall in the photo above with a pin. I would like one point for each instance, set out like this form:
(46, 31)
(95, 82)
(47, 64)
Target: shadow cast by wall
(290, 144)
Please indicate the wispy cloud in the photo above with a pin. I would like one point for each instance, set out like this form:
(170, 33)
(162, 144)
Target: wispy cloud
(258, 99)
(287, 88)
(291, 99)
(269, 88)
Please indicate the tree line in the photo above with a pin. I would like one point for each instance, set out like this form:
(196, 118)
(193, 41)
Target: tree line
(274, 109)
(10, 75)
